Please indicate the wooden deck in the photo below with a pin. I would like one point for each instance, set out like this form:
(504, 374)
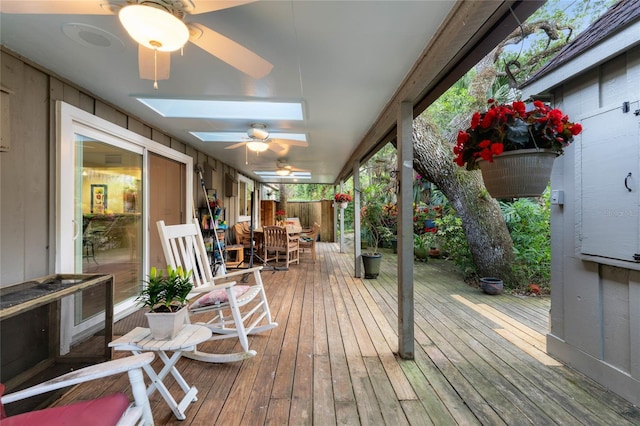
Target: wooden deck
(479, 359)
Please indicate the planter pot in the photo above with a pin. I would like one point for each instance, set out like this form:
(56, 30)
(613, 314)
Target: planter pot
(421, 253)
(514, 174)
(491, 285)
(371, 264)
(394, 245)
(344, 205)
(166, 325)
(429, 223)
(434, 252)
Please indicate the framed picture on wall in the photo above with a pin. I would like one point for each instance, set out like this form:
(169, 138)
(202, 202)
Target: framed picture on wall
(98, 198)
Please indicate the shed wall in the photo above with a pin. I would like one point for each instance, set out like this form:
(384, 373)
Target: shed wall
(595, 300)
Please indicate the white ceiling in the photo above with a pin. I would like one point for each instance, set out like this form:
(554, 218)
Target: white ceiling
(344, 60)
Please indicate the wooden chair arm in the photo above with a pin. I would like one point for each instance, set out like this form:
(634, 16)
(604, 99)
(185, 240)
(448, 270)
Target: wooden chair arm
(208, 288)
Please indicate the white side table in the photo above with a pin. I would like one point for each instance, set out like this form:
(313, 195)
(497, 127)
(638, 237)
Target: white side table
(139, 340)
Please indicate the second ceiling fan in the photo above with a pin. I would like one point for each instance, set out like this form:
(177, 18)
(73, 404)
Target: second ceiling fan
(260, 140)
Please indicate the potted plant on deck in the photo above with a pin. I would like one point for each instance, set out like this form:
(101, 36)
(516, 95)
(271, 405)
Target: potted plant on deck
(166, 298)
(515, 147)
(374, 229)
(370, 217)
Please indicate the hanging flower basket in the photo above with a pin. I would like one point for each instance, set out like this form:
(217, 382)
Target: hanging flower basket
(342, 199)
(514, 174)
(514, 146)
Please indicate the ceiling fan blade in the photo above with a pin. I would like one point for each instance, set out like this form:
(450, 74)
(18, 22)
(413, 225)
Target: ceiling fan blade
(205, 6)
(235, 145)
(291, 142)
(55, 7)
(278, 148)
(231, 52)
(146, 66)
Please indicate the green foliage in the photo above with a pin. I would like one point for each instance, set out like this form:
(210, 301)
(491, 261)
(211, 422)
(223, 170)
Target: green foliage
(528, 223)
(371, 216)
(453, 242)
(456, 99)
(166, 293)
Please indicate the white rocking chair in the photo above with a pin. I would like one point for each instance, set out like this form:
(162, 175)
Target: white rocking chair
(87, 412)
(183, 245)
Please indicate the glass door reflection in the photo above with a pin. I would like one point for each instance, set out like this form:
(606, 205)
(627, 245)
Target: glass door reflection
(108, 200)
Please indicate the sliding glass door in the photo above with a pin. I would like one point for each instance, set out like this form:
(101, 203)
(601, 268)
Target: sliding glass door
(102, 217)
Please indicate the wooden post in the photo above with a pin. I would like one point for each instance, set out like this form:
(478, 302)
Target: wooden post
(405, 232)
(357, 246)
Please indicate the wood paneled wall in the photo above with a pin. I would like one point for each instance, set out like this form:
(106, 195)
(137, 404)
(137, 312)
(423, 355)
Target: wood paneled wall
(27, 168)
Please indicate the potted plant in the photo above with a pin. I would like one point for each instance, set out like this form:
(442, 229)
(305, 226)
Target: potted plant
(373, 232)
(280, 217)
(509, 137)
(343, 199)
(390, 222)
(166, 298)
(373, 227)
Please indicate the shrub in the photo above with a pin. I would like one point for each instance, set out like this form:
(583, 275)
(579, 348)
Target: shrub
(528, 223)
(453, 242)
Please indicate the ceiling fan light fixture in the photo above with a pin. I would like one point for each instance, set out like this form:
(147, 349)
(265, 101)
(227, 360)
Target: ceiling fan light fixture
(283, 172)
(257, 146)
(154, 28)
(258, 131)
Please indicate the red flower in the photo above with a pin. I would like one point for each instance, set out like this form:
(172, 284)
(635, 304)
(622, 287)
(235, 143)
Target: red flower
(497, 148)
(475, 120)
(576, 129)
(510, 127)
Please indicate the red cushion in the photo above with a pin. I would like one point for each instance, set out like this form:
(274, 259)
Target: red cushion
(105, 411)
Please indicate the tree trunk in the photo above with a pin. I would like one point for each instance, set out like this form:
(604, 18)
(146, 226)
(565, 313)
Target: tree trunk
(489, 241)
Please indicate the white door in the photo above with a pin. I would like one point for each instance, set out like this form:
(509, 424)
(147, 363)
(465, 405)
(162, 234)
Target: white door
(102, 196)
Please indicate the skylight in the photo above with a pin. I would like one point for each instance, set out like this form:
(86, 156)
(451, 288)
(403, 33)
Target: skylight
(271, 174)
(242, 136)
(201, 108)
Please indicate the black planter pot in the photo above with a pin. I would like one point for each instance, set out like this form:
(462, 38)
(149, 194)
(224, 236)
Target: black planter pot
(371, 264)
(394, 245)
(491, 285)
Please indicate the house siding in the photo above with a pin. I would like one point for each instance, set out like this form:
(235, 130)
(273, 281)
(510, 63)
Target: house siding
(595, 300)
(28, 168)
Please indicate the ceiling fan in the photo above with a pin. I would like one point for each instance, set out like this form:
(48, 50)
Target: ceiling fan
(259, 140)
(159, 27)
(284, 169)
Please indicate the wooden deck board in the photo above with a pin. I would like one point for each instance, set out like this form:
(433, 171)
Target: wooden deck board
(479, 359)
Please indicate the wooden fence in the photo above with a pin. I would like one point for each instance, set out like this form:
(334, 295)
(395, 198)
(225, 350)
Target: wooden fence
(314, 211)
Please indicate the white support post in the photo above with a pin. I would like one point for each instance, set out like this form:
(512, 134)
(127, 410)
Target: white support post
(357, 246)
(405, 232)
(341, 210)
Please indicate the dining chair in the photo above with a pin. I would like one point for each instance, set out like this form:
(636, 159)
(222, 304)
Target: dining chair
(277, 241)
(308, 240)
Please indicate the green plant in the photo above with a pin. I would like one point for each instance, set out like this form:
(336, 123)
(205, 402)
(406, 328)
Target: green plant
(372, 217)
(166, 293)
(510, 127)
(529, 226)
(453, 242)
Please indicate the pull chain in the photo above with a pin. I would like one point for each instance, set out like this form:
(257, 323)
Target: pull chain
(155, 69)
